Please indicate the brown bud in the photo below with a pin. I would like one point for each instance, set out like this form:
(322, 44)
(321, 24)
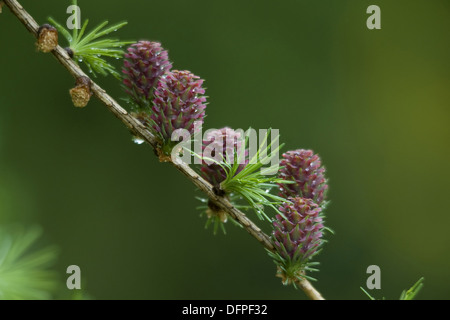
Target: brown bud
(163, 157)
(82, 92)
(214, 211)
(47, 38)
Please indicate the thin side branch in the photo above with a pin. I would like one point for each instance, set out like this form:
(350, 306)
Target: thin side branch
(139, 130)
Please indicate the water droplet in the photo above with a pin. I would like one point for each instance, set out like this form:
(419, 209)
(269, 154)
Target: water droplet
(115, 29)
(80, 60)
(138, 140)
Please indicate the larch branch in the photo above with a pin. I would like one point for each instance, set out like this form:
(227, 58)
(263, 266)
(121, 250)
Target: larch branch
(139, 130)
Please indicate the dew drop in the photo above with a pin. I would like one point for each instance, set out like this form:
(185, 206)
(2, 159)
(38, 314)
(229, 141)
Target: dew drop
(138, 140)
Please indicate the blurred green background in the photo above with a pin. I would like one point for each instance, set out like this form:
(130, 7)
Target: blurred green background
(373, 103)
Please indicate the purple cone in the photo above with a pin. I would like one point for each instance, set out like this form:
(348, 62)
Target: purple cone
(145, 62)
(299, 236)
(227, 141)
(178, 102)
(305, 169)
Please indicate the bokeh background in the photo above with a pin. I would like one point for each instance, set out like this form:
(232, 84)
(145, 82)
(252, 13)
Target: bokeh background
(373, 103)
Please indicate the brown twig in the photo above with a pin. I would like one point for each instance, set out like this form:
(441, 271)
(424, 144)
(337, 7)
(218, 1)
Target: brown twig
(138, 129)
